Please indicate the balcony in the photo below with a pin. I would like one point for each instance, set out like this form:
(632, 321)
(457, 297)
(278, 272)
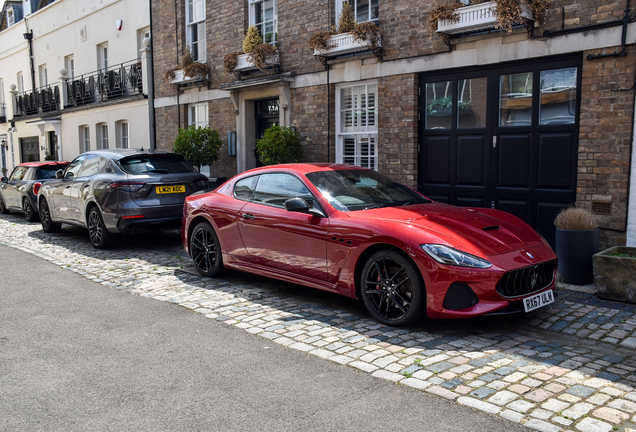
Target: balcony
(121, 81)
(342, 44)
(180, 78)
(243, 63)
(43, 99)
(475, 17)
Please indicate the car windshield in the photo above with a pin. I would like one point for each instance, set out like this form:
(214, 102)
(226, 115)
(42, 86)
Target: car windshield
(48, 172)
(155, 164)
(349, 190)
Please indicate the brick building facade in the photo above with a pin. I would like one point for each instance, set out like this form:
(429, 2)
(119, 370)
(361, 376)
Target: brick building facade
(561, 132)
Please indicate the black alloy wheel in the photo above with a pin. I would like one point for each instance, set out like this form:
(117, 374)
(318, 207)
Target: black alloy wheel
(3, 208)
(392, 289)
(29, 214)
(48, 226)
(205, 250)
(99, 235)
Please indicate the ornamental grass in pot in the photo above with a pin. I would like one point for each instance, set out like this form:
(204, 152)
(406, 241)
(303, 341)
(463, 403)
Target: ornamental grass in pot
(576, 242)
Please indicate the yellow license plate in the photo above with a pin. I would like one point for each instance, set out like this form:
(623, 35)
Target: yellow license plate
(171, 189)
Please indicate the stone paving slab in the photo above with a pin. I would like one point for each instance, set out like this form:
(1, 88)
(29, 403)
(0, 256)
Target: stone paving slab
(570, 367)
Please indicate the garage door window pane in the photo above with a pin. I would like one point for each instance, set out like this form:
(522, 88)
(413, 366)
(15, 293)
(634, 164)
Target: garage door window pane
(515, 99)
(439, 103)
(558, 96)
(471, 102)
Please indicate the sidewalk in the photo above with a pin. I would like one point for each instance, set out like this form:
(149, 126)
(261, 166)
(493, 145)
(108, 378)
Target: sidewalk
(571, 367)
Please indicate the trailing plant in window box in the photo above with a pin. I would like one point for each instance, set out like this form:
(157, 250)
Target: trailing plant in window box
(279, 145)
(259, 53)
(191, 68)
(230, 60)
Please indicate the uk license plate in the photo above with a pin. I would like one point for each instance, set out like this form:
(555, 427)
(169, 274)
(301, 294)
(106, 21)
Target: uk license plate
(171, 189)
(538, 300)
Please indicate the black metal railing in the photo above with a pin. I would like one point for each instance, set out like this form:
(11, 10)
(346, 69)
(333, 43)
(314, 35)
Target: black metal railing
(123, 80)
(43, 99)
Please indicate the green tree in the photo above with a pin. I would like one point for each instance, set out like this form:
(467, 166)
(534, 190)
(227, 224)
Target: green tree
(252, 40)
(347, 19)
(200, 146)
(279, 145)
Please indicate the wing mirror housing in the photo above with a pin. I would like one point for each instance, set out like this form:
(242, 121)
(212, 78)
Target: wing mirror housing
(4, 180)
(59, 174)
(299, 205)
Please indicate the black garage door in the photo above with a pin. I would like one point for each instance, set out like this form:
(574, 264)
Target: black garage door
(505, 138)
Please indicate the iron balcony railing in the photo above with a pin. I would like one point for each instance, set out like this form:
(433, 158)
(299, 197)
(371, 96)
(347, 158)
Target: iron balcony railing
(121, 81)
(43, 99)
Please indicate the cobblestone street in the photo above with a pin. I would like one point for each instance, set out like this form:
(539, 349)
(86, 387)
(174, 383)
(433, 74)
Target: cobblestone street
(569, 367)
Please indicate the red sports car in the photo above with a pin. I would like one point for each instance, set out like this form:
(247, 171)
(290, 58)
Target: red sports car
(355, 232)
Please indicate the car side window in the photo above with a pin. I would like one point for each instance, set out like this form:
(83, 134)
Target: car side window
(18, 173)
(275, 189)
(244, 188)
(74, 167)
(92, 165)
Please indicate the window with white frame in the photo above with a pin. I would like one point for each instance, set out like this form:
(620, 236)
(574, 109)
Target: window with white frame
(195, 29)
(69, 64)
(264, 15)
(357, 125)
(44, 75)
(198, 115)
(102, 55)
(85, 138)
(10, 18)
(363, 10)
(102, 133)
(124, 135)
(20, 82)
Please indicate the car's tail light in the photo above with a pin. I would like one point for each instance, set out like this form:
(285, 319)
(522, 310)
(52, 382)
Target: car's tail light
(127, 186)
(133, 217)
(202, 183)
(36, 187)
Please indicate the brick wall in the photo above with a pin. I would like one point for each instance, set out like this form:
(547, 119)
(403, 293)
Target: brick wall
(223, 120)
(309, 117)
(607, 103)
(166, 127)
(397, 127)
(575, 13)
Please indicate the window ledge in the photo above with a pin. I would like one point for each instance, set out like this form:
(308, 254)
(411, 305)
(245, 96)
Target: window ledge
(475, 17)
(343, 43)
(243, 63)
(180, 78)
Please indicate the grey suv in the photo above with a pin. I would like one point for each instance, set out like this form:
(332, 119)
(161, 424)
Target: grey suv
(119, 191)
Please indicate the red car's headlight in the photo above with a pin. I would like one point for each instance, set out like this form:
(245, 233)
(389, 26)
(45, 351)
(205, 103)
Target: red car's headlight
(449, 256)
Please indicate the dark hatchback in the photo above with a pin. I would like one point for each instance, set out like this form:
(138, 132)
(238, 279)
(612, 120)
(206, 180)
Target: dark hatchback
(19, 191)
(120, 191)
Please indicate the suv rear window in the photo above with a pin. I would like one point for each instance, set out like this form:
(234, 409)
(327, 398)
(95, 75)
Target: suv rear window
(155, 164)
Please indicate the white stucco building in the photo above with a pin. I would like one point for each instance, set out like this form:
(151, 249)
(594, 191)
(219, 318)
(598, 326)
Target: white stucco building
(74, 77)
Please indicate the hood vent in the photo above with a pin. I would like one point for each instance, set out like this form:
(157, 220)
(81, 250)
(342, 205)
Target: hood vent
(490, 228)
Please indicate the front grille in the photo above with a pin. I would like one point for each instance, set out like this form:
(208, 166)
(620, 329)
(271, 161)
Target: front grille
(527, 280)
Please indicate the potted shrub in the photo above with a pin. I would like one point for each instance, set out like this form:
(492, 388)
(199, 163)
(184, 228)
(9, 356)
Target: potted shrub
(576, 242)
(200, 146)
(189, 70)
(279, 145)
(256, 54)
(615, 274)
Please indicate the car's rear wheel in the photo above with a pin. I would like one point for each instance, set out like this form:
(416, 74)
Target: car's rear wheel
(205, 250)
(29, 213)
(392, 289)
(3, 208)
(48, 226)
(99, 235)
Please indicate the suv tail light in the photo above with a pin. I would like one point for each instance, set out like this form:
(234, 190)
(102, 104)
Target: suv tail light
(36, 187)
(127, 186)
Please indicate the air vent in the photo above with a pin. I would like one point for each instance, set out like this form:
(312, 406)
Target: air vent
(489, 228)
(601, 208)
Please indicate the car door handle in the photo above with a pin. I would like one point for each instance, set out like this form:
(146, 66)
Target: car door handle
(67, 187)
(248, 216)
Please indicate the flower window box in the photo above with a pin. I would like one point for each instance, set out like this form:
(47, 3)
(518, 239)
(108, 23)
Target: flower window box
(475, 17)
(341, 44)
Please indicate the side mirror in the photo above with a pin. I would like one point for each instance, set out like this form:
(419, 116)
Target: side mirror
(297, 205)
(4, 180)
(59, 174)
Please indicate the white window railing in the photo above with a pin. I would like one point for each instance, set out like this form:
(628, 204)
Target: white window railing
(476, 17)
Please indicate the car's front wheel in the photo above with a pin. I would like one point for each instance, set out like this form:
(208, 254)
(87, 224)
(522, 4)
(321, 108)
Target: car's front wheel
(205, 250)
(48, 226)
(3, 208)
(99, 235)
(29, 213)
(392, 289)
